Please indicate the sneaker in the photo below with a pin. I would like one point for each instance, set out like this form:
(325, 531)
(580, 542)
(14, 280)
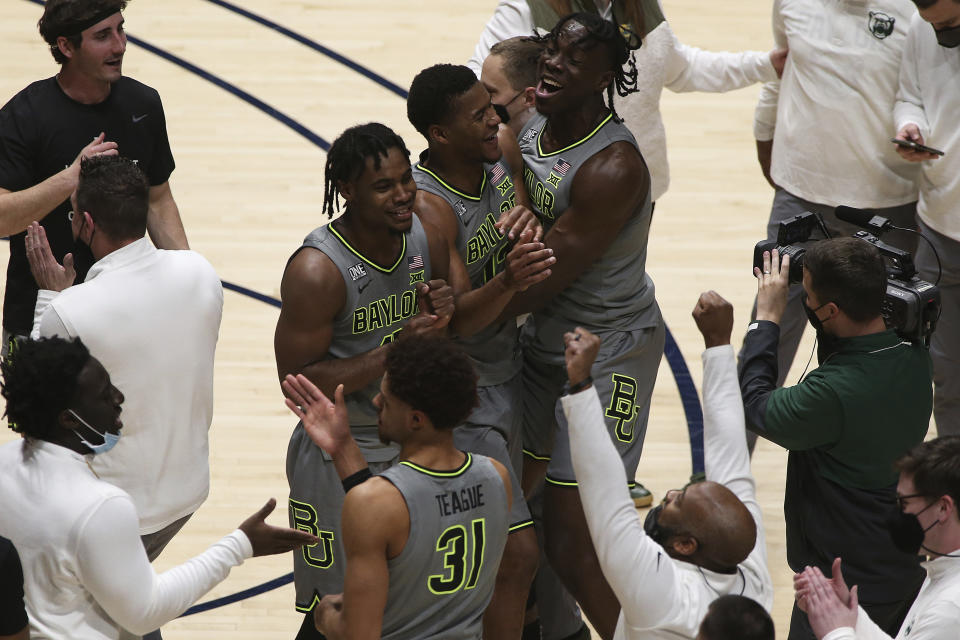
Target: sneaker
(641, 496)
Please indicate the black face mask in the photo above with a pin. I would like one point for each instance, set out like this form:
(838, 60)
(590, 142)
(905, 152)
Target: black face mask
(949, 38)
(501, 109)
(651, 525)
(816, 322)
(906, 531)
(502, 113)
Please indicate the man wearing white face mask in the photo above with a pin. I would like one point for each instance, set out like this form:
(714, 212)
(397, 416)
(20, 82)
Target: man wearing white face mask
(926, 113)
(152, 317)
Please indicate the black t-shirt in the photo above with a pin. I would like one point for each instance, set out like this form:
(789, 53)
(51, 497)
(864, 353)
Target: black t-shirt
(41, 131)
(13, 615)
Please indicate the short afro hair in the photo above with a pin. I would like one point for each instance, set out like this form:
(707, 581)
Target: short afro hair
(69, 18)
(39, 381)
(433, 93)
(433, 375)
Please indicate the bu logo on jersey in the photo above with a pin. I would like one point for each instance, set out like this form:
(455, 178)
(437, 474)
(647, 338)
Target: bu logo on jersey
(880, 24)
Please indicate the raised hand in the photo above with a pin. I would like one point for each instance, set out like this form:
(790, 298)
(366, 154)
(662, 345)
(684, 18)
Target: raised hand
(48, 273)
(772, 285)
(714, 318)
(325, 422)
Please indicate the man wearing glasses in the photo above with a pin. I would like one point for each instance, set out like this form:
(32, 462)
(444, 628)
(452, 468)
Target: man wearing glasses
(926, 522)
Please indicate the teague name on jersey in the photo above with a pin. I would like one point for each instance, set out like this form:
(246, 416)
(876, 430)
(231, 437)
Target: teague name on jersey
(451, 502)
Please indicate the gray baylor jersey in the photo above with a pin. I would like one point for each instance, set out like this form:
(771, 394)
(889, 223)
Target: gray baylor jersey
(442, 581)
(380, 299)
(495, 351)
(615, 292)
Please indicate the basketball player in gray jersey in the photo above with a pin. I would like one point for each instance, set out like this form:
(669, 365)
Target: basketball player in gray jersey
(465, 189)
(374, 275)
(590, 186)
(346, 293)
(424, 538)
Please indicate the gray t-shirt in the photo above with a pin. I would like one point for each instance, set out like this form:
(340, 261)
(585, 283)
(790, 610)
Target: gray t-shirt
(379, 301)
(495, 350)
(614, 293)
(442, 581)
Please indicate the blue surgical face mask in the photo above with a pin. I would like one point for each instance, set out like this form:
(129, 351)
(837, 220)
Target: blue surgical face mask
(109, 439)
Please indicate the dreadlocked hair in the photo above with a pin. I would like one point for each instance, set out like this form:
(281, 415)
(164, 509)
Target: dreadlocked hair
(620, 49)
(348, 155)
(39, 380)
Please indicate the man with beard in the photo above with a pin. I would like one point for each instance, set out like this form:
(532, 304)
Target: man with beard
(701, 542)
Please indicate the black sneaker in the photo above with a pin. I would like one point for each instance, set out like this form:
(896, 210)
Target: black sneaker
(641, 496)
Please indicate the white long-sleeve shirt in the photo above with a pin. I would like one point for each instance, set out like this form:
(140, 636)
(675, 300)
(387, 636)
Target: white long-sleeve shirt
(85, 571)
(152, 318)
(663, 598)
(934, 615)
(830, 115)
(929, 97)
(662, 61)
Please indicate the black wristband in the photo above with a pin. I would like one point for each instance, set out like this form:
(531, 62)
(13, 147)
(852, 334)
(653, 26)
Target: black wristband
(580, 386)
(356, 478)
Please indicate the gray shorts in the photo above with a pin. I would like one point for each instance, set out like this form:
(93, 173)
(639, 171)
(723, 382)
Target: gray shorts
(498, 407)
(497, 412)
(316, 500)
(624, 375)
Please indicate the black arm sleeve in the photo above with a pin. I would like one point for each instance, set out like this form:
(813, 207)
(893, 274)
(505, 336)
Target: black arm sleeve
(758, 372)
(13, 615)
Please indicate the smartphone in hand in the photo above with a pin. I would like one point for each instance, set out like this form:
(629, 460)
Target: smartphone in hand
(910, 144)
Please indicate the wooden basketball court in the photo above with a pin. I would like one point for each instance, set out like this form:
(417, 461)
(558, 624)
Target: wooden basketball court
(249, 187)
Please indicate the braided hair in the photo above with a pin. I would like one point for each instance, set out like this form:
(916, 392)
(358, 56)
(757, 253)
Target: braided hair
(620, 43)
(348, 155)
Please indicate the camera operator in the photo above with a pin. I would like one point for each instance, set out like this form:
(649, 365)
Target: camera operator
(844, 424)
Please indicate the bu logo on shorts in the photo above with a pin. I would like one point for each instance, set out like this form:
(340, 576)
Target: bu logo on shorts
(880, 24)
